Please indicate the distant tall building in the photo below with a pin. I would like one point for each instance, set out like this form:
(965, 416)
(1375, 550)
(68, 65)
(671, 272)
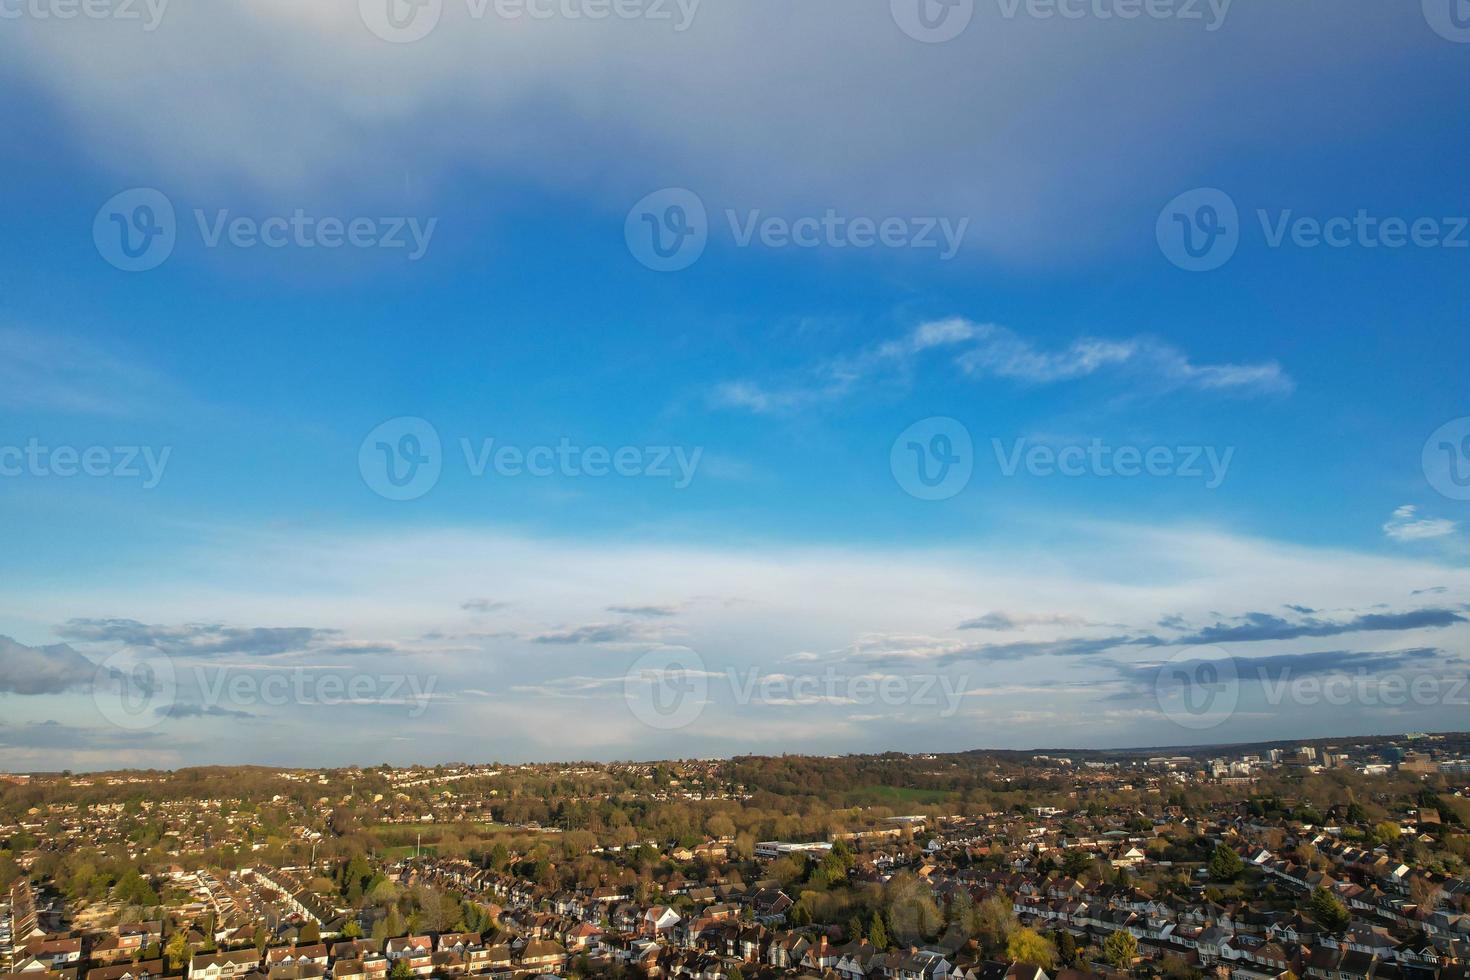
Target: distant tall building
(1419, 763)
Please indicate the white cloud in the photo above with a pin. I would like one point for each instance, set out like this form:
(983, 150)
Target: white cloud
(804, 611)
(989, 350)
(1020, 124)
(1405, 525)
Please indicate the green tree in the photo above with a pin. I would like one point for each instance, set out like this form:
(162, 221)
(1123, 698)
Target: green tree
(1225, 864)
(133, 889)
(177, 950)
(995, 920)
(1029, 946)
(1075, 862)
(1329, 911)
(1120, 948)
(877, 931)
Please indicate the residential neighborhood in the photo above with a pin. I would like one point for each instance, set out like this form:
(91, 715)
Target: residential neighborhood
(1331, 862)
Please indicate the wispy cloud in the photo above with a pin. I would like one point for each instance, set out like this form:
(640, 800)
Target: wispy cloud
(53, 372)
(188, 710)
(653, 611)
(1000, 621)
(482, 605)
(984, 350)
(1406, 525)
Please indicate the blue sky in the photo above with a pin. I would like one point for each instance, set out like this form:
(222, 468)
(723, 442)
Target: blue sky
(520, 145)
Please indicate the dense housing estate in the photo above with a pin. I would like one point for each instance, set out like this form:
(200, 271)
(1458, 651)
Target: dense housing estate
(1323, 862)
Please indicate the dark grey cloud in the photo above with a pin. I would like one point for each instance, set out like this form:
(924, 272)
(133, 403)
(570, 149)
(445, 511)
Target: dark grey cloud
(1286, 665)
(652, 611)
(1304, 610)
(217, 639)
(43, 670)
(1257, 626)
(1432, 590)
